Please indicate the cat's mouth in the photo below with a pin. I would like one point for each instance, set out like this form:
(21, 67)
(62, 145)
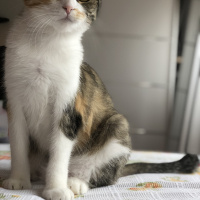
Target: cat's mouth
(68, 19)
(75, 15)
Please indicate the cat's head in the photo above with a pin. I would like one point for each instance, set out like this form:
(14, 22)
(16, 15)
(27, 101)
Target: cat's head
(64, 15)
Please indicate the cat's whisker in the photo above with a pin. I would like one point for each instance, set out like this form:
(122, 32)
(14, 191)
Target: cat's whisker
(32, 23)
(30, 27)
(37, 28)
(44, 29)
(35, 17)
(41, 30)
(33, 32)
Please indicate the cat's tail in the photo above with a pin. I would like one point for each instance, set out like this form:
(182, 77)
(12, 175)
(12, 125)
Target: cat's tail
(187, 164)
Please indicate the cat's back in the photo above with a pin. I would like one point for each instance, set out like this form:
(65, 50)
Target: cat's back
(93, 91)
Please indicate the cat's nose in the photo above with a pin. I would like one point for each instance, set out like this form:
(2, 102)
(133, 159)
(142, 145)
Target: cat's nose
(68, 9)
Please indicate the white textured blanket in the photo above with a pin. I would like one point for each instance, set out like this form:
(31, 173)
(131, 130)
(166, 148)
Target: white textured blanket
(135, 187)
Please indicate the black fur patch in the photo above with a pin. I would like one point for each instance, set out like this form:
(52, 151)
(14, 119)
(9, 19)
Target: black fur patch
(187, 164)
(33, 146)
(109, 173)
(71, 122)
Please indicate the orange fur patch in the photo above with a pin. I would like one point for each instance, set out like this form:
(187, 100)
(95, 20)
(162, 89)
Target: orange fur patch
(79, 15)
(79, 105)
(87, 120)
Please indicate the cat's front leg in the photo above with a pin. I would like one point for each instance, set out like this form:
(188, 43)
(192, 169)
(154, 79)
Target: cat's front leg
(19, 142)
(57, 170)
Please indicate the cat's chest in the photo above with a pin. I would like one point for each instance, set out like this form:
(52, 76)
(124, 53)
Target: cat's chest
(46, 79)
(53, 69)
(57, 61)
(56, 70)
(46, 82)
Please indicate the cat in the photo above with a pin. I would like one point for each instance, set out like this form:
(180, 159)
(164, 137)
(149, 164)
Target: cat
(62, 122)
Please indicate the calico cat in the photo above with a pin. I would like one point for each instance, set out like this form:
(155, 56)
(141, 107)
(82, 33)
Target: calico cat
(61, 119)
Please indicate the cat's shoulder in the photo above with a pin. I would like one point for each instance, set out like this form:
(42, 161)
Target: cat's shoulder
(86, 68)
(89, 75)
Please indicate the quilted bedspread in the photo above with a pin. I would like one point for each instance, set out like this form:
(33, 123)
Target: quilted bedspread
(134, 187)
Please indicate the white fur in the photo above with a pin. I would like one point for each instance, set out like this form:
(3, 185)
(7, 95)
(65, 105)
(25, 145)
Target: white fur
(42, 71)
(78, 186)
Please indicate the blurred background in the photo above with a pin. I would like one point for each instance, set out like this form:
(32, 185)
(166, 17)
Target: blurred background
(147, 52)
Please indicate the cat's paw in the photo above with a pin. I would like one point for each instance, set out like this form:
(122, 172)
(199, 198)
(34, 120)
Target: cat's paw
(16, 184)
(77, 186)
(58, 194)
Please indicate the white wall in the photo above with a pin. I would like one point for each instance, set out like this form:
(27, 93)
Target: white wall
(133, 48)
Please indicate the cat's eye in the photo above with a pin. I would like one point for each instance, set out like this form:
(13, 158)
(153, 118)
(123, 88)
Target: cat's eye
(83, 1)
